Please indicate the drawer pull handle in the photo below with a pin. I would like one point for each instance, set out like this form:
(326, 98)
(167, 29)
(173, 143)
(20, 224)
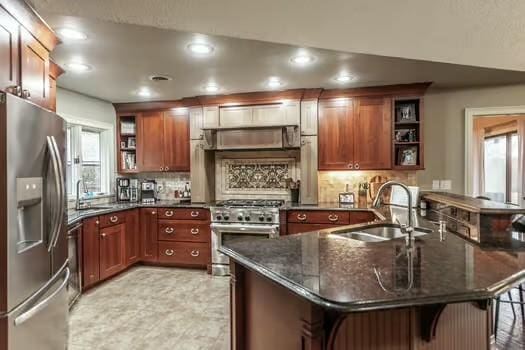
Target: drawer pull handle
(194, 214)
(356, 166)
(195, 253)
(153, 212)
(194, 231)
(168, 213)
(113, 218)
(169, 230)
(301, 217)
(169, 252)
(350, 166)
(103, 235)
(333, 218)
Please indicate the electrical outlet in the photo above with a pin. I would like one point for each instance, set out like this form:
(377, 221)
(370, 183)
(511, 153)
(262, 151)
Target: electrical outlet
(435, 184)
(446, 185)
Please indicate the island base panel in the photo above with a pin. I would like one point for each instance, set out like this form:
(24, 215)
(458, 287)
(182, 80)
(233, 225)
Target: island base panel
(265, 315)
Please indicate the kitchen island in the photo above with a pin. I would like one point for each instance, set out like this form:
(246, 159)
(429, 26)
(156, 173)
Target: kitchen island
(322, 290)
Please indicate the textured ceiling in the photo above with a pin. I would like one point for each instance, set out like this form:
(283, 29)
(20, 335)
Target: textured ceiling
(471, 32)
(124, 56)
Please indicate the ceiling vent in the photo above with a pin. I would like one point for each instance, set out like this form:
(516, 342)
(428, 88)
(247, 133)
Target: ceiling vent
(160, 78)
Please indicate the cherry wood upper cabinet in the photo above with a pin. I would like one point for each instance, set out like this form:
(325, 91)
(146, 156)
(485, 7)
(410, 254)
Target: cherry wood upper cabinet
(9, 43)
(176, 141)
(90, 252)
(112, 250)
(34, 70)
(335, 134)
(150, 145)
(372, 133)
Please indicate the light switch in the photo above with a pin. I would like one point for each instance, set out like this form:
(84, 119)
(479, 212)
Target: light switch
(446, 184)
(435, 184)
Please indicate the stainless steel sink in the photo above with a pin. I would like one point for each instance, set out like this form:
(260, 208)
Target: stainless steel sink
(94, 208)
(379, 233)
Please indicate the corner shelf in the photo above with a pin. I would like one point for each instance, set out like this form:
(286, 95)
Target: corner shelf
(411, 130)
(126, 156)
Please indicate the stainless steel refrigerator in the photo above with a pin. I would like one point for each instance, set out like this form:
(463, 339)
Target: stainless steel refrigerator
(33, 227)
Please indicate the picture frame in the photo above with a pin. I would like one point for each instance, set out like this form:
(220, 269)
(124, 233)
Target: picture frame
(405, 135)
(132, 142)
(406, 113)
(346, 198)
(122, 144)
(407, 156)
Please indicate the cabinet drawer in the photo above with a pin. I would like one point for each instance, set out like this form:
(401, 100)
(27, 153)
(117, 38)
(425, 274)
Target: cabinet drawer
(359, 217)
(319, 217)
(187, 231)
(187, 253)
(112, 219)
(184, 214)
(300, 228)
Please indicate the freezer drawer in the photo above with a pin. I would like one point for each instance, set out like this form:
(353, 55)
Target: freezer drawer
(41, 322)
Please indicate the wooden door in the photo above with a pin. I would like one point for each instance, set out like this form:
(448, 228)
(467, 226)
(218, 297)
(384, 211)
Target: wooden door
(150, 143)
(176, 141)
(148, 233)
(112, 250)
(90, 252)
(9, 43)
(373, 133)
(34, 70)
(335, 135)
(132, 237)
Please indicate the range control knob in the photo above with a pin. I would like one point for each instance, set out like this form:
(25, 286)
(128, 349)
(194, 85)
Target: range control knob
(239, 217)
(226, 217)
(218, 217)
(247, 218)
(261, 218)
(269, 218)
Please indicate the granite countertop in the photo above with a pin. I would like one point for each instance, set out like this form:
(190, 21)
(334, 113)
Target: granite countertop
(338, 273)
(323, 206)
(474, 204)
(73, 216)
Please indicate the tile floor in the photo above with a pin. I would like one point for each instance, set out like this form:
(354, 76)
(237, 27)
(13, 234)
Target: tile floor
(153, 308)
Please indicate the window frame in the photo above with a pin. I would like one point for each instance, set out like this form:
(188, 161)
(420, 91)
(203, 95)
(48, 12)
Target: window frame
(508, 161)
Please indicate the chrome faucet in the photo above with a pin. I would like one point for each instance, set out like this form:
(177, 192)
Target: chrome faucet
(79, 204)
(407, 229)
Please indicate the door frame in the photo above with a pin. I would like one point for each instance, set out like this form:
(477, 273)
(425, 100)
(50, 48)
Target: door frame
(470, 114)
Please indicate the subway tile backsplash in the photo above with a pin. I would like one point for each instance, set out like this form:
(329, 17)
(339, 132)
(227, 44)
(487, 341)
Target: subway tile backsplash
(167, 183)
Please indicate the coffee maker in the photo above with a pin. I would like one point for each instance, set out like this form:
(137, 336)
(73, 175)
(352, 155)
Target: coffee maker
(127, 190)
(148, 191)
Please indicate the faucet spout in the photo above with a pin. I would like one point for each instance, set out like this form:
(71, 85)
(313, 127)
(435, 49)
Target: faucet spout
(409, 228)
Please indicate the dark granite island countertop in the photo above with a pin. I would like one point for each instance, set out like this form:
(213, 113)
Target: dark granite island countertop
(337, 274)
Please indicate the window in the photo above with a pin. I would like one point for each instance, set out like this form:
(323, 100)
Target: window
(501, 167)
(85, 160)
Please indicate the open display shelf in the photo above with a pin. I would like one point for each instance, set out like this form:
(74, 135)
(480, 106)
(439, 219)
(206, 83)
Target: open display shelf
(127, 143)
(407, 133)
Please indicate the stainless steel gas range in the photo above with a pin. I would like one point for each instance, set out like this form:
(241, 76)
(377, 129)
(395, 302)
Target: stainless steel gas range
(239, 219)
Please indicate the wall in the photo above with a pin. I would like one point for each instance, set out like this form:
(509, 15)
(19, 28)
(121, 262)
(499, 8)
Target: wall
(445, 128)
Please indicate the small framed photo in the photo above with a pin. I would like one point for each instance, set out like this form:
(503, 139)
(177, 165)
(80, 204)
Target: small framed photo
(132, 143)
(407, 155)
(405, 135)
(346, 198)
(406, 113)
(122, 144)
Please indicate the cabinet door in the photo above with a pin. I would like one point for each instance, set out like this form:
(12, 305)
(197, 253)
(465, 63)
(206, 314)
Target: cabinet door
(309, 117)
(373, 133)
(235, 116)
(336, 146)
(112, 250)
(132, 237)
(196, 123)
(148, 233)
(176, 141)
(309, 169)
(90, 252)
(52, 104)
(269, 115)
(9, 43)
(34, 70)
(150, 144)
(210, 117)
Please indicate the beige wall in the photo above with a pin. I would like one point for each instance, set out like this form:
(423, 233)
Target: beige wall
(445, 129)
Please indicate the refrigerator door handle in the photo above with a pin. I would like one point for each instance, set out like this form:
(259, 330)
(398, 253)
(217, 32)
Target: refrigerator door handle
(62, 191)
(56, 222)
(42, 305)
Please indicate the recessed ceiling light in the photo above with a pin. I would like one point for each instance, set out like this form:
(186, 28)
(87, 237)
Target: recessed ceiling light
(77, 67)
(211, 88)
(144, 92)
(200, 48)
(160, 78)
(274, 82)
(71, 34)
(302, 59)
(344, 78)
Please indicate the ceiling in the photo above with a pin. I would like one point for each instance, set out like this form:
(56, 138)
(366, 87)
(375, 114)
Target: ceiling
(124, 56)
(471, 32)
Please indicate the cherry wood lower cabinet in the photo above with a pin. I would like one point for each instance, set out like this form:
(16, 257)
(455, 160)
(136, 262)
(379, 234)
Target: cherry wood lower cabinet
(90, 252)
(285, 320)
(299, 221)
(112, 250)
(194, 254)
(132, 237)
(148, 231)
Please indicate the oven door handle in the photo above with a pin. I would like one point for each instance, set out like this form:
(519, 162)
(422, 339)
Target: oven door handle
(253, 229)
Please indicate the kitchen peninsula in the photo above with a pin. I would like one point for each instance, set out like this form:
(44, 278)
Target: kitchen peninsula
(319, 290)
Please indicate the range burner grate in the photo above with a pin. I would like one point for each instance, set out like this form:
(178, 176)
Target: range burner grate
(251, 203)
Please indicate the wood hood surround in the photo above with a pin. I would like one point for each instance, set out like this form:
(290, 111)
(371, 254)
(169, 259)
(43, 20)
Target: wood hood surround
(315, 138)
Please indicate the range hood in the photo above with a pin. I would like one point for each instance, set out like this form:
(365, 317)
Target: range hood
(272, 126)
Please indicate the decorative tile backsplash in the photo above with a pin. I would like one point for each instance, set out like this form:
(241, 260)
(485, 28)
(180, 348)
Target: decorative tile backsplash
(259, 176)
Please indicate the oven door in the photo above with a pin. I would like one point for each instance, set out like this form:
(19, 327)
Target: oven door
(226, 233)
